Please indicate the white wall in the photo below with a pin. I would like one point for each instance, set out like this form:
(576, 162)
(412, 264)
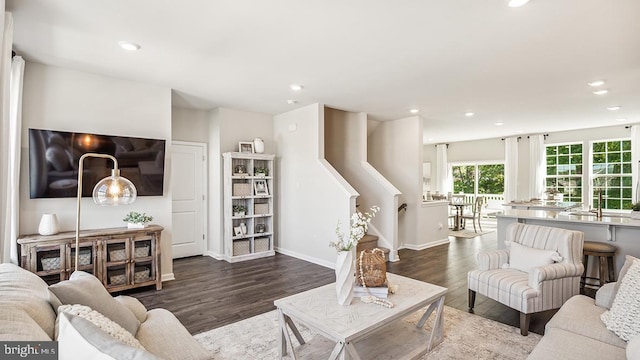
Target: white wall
(190, 125)
(227, 127)
(311, 195)
(346, 149)
(60, 99)
(395, 149)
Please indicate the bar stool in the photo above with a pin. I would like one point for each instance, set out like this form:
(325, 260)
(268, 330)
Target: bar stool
(604, 253)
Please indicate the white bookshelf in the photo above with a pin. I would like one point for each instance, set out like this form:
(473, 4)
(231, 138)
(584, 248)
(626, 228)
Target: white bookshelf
(244, 187)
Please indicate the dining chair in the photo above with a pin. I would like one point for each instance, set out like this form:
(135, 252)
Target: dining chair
(475, 213)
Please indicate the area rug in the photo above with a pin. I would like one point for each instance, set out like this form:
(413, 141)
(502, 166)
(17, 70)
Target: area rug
(467, 336)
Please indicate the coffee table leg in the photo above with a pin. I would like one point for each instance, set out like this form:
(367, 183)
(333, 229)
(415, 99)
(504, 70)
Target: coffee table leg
(285, 339)
(293, 328)
(339, 348)
(437, 333)
(352, 351)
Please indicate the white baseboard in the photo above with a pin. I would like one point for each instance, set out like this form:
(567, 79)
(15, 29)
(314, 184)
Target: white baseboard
(427, 245)
(214, 255)
(167, 277)
(310, 259)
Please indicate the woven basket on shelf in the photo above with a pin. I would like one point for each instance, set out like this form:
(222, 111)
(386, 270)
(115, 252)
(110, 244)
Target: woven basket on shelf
(371, 267)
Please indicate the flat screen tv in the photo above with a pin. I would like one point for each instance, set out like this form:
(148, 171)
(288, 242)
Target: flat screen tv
(54, 156)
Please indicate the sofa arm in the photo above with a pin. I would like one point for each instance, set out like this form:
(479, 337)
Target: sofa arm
(494, 259)
(552, 272)
(135, 306)
(605, 295)
(633, 348)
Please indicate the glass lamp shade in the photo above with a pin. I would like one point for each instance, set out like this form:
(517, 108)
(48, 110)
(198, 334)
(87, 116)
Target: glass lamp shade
(114, 190)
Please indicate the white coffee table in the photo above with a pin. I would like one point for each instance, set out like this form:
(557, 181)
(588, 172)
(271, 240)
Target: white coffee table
(359, 330)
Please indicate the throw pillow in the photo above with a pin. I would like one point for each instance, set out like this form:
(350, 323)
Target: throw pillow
(524, 258)
(104, 323)
(624, 317)
(80, 339)
(84, 288)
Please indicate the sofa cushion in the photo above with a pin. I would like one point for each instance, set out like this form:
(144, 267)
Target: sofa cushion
(80, 339)
(134, 305)
(566, 345)
(17, 325)
(84, 288)
(104, 323)
(624, 316)
(23, 290)
(163, 334)
(580, 315)
(524, 258)
(628, 261)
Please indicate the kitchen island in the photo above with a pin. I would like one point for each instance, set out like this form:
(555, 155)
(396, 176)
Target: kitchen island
(617, 229)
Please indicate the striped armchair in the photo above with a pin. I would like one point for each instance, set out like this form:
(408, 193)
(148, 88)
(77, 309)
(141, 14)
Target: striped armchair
(544, 287)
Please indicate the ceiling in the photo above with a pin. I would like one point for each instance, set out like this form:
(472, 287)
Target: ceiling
(525, 67)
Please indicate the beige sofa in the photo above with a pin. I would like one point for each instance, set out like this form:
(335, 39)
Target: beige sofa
(27, 314)
(576, 332)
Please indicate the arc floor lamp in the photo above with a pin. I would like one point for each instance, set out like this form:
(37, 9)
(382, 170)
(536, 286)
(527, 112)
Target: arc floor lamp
(112, 190)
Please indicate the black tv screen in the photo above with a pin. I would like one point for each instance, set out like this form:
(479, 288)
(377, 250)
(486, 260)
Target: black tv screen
(54, 156)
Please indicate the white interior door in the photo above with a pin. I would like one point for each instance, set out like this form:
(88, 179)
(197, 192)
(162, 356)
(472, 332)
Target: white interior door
(188, 171)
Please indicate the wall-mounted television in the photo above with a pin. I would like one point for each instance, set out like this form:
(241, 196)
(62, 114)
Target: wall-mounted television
(54, 156)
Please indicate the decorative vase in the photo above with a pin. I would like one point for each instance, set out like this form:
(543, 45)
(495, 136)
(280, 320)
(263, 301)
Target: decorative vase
(136, 225)
(345, 276)
(48, 225)
(258, 145)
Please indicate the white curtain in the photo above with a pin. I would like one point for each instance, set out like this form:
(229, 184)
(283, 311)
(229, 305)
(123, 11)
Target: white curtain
(537, 166)
(635, 160)
(442, 166)
(510, 169)
(11, 75)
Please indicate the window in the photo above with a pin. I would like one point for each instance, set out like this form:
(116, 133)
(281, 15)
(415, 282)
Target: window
(611, 174)
(564, 170)
(479, 179)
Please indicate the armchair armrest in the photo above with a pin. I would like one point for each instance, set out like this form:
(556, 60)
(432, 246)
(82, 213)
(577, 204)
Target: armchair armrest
(605, 295)
(494, 259)
(552, 272)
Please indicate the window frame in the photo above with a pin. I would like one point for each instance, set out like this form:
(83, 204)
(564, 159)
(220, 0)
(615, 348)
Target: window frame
(591, 198)
(581, 176)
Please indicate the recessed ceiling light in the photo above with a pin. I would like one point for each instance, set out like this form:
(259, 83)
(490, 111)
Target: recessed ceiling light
(499, 123)
(291, 102)
(517, 3)
(469, 114)
(128, 45)
(601, 92)
(414, 111)
(614, 108)
(296, 87)
(621, 119)
(596, 83)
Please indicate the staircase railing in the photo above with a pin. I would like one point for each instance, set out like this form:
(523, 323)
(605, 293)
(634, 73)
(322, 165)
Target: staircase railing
(402, 207)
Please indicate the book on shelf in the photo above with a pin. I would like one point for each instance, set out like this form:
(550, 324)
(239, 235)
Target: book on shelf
(381, 292)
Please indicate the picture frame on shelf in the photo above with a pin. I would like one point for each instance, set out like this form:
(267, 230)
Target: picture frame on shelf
(245, 147)
(260, 188)
(237, 231)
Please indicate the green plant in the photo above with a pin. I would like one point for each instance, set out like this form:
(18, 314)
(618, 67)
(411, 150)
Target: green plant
(239, 208)
(635, 207)
(135, 217)
(261, 170)
(359, 225)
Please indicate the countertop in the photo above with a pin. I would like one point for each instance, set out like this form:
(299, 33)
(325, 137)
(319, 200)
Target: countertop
(617, 219)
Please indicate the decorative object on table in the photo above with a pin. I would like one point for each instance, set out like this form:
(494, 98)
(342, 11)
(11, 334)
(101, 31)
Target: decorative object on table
(48, 225)
(345, 264)
(239, 210)
(112, 190)
(258, 145)
(240, 169)
(551, 194)
(635, 211)
(372, 268)
(260, 187)
(245, 147)
(136, 220)
(379, 291)
(243, 228)
(260, 228)
(261, 171)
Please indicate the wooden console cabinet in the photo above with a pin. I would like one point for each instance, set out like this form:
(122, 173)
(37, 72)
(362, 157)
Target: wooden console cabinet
(121, 258)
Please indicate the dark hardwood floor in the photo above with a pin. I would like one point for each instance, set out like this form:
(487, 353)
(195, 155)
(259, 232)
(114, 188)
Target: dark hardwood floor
(209, 293)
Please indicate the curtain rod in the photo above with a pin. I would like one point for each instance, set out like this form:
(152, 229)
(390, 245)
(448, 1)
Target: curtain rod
(504, 138)
(441, 144)
(545, 136)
